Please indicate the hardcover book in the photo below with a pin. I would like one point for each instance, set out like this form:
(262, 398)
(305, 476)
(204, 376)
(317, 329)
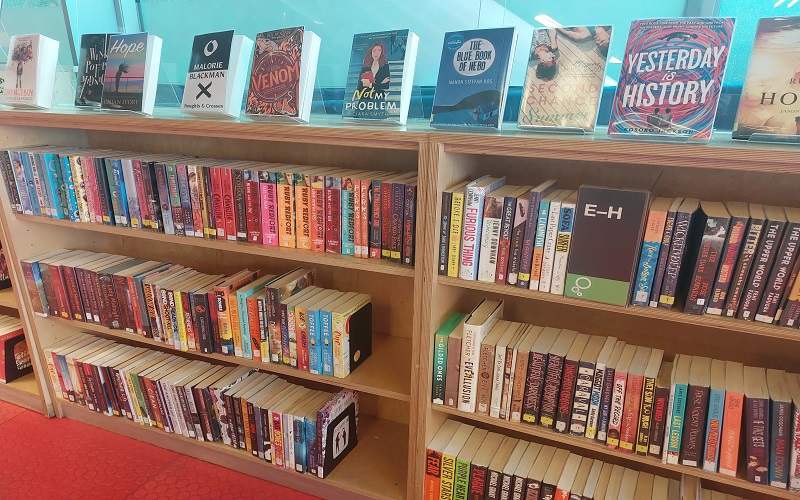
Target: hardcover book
(769, 105)
(564, 79)
(283, 74)
(131, 73)
(31, 66)
(91, 69)
(380, 76)
(473, 78)
(671, 78)
(607, 233)
(216, 76)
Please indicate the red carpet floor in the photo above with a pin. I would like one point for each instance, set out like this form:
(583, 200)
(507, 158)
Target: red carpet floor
(43, 458)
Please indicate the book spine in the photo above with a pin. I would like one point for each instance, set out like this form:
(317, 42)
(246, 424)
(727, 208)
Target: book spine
(375, 217)
(762, 265)
(101, 178)
(518, 390)
(534, 384)
(731, 434)
(132, 197)
(630, 416)
(713, 431)
(526, 263)
(757, 439)
(73, 212)
(518, 238)
(794, 463)
(447, 477)
(456, 230)
(533, 489)
(680, 236)
(145, 217)
(743, 267)
(477, 483)
(10, 179)
(153, 196)
(326, 356)
(230, 203)
(314, 337)
(57, 186)
(348, 220)
(778, 280)
(440, 369)
(224, 320)
(493, 485)
(566, 395)
(40, 184)
(727, 265)
(583, 399)
(452, 376)
(708, 258)
(235, 325)
(81, 196)
(218, 202)
(387, 202)
(194, 179)
(504, 248)
(617, 407)
(471, 237)
(178, 217)
(365, 216)
(562, 244)
(486, 260)
(663, 258)
(240, 207)
(120, 193)
(676, 412)
(19, 169)
(409, 225)
(333, 215)
(595, 400)
(461, 482)
(444, 231)
(32, 181)
(506, 485)
(164, 197)
(269, 210)
(283, 314)
(303, 362)
(547, 413)
(73, 293)
(780, 442)
(696, 412)
(358, 243)
(254, 328)
(302, 201)
(549, 249)
(659, 422)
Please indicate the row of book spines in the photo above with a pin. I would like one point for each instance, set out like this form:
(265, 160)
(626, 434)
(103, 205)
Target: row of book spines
(203, 413)
(366, 214)
(755, 256)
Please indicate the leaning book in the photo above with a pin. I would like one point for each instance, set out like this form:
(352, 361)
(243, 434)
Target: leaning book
(380, 76)
(769, 105)
(216, 77)
(564, 79)
(131, 75)
(91, 69)
(671, 79)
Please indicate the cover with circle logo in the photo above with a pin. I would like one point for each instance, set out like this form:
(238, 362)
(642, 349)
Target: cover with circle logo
(606, 239)
(207, 78)
(275, 76)
(473, 78)
(671, 78)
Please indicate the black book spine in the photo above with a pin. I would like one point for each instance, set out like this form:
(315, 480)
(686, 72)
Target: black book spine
(708, 260)
(663, 258)
(10, 180)
(694, 426)
(444, 232)
(103, 191)
(526, 261)
(727, 265)
(781, 274)
(762, 265)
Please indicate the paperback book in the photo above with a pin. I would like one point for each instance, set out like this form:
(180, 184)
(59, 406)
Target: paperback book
(31, 66)
(671, 78)
(91, 69)
(131, 75)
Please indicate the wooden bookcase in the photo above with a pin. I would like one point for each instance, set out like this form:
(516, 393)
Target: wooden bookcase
(398, 418)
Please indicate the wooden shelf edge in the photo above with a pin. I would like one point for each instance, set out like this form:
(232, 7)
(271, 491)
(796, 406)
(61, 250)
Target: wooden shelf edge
(339, 484)
(554, 438)
(323, 259)
(8, 299)
(717, 322)
(382, 345)
(23, 392)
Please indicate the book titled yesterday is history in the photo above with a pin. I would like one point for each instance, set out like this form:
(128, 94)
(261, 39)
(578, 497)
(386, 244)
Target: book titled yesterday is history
(91, 70)
(131, 75)
(473, 78)
(769, 103)
(671, 78)
(564, 79)
(380, 75)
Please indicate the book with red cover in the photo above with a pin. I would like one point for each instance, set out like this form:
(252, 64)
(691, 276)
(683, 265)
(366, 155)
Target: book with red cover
(252, 202)
(633, 399)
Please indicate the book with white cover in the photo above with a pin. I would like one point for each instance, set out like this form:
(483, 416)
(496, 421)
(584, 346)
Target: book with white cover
(131, 77)
(216, 77)
(30, 71)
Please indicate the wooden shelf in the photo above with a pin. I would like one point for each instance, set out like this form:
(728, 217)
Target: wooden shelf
(380, 444)
(324, 259)
(556, 439)
(709, 321)
(8, 299)
(22, 392)
(385, 373)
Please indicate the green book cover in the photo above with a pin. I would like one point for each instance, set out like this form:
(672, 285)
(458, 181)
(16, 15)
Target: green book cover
(461, 487)
(440, 356)
(607, 235)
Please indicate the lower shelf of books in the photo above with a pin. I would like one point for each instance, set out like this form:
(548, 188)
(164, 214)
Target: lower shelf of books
(376, 468)
(736, 485)
(385, 373)
(22, 392)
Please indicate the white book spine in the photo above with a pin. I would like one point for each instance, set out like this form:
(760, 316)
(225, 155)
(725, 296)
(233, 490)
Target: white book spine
(549, 247)
(505, 411)
(665, 457)
(490, 241)
(497, 381)
(471, 232)
(470, 358)
(288, 426)
(594, 400)
(563, 241)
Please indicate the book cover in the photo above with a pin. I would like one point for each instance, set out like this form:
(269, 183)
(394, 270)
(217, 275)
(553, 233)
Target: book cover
(207, 78)
(275, 75)
(473, 78)
(607, 233)
(671, 78)
(564, 78)
(768, 104)
(376, 75)
(123, 82)
(91, 69)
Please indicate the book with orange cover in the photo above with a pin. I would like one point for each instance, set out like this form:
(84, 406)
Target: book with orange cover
(633, 399)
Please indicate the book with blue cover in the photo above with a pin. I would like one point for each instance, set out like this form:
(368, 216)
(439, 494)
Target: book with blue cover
(473, 78)
(380, 76)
